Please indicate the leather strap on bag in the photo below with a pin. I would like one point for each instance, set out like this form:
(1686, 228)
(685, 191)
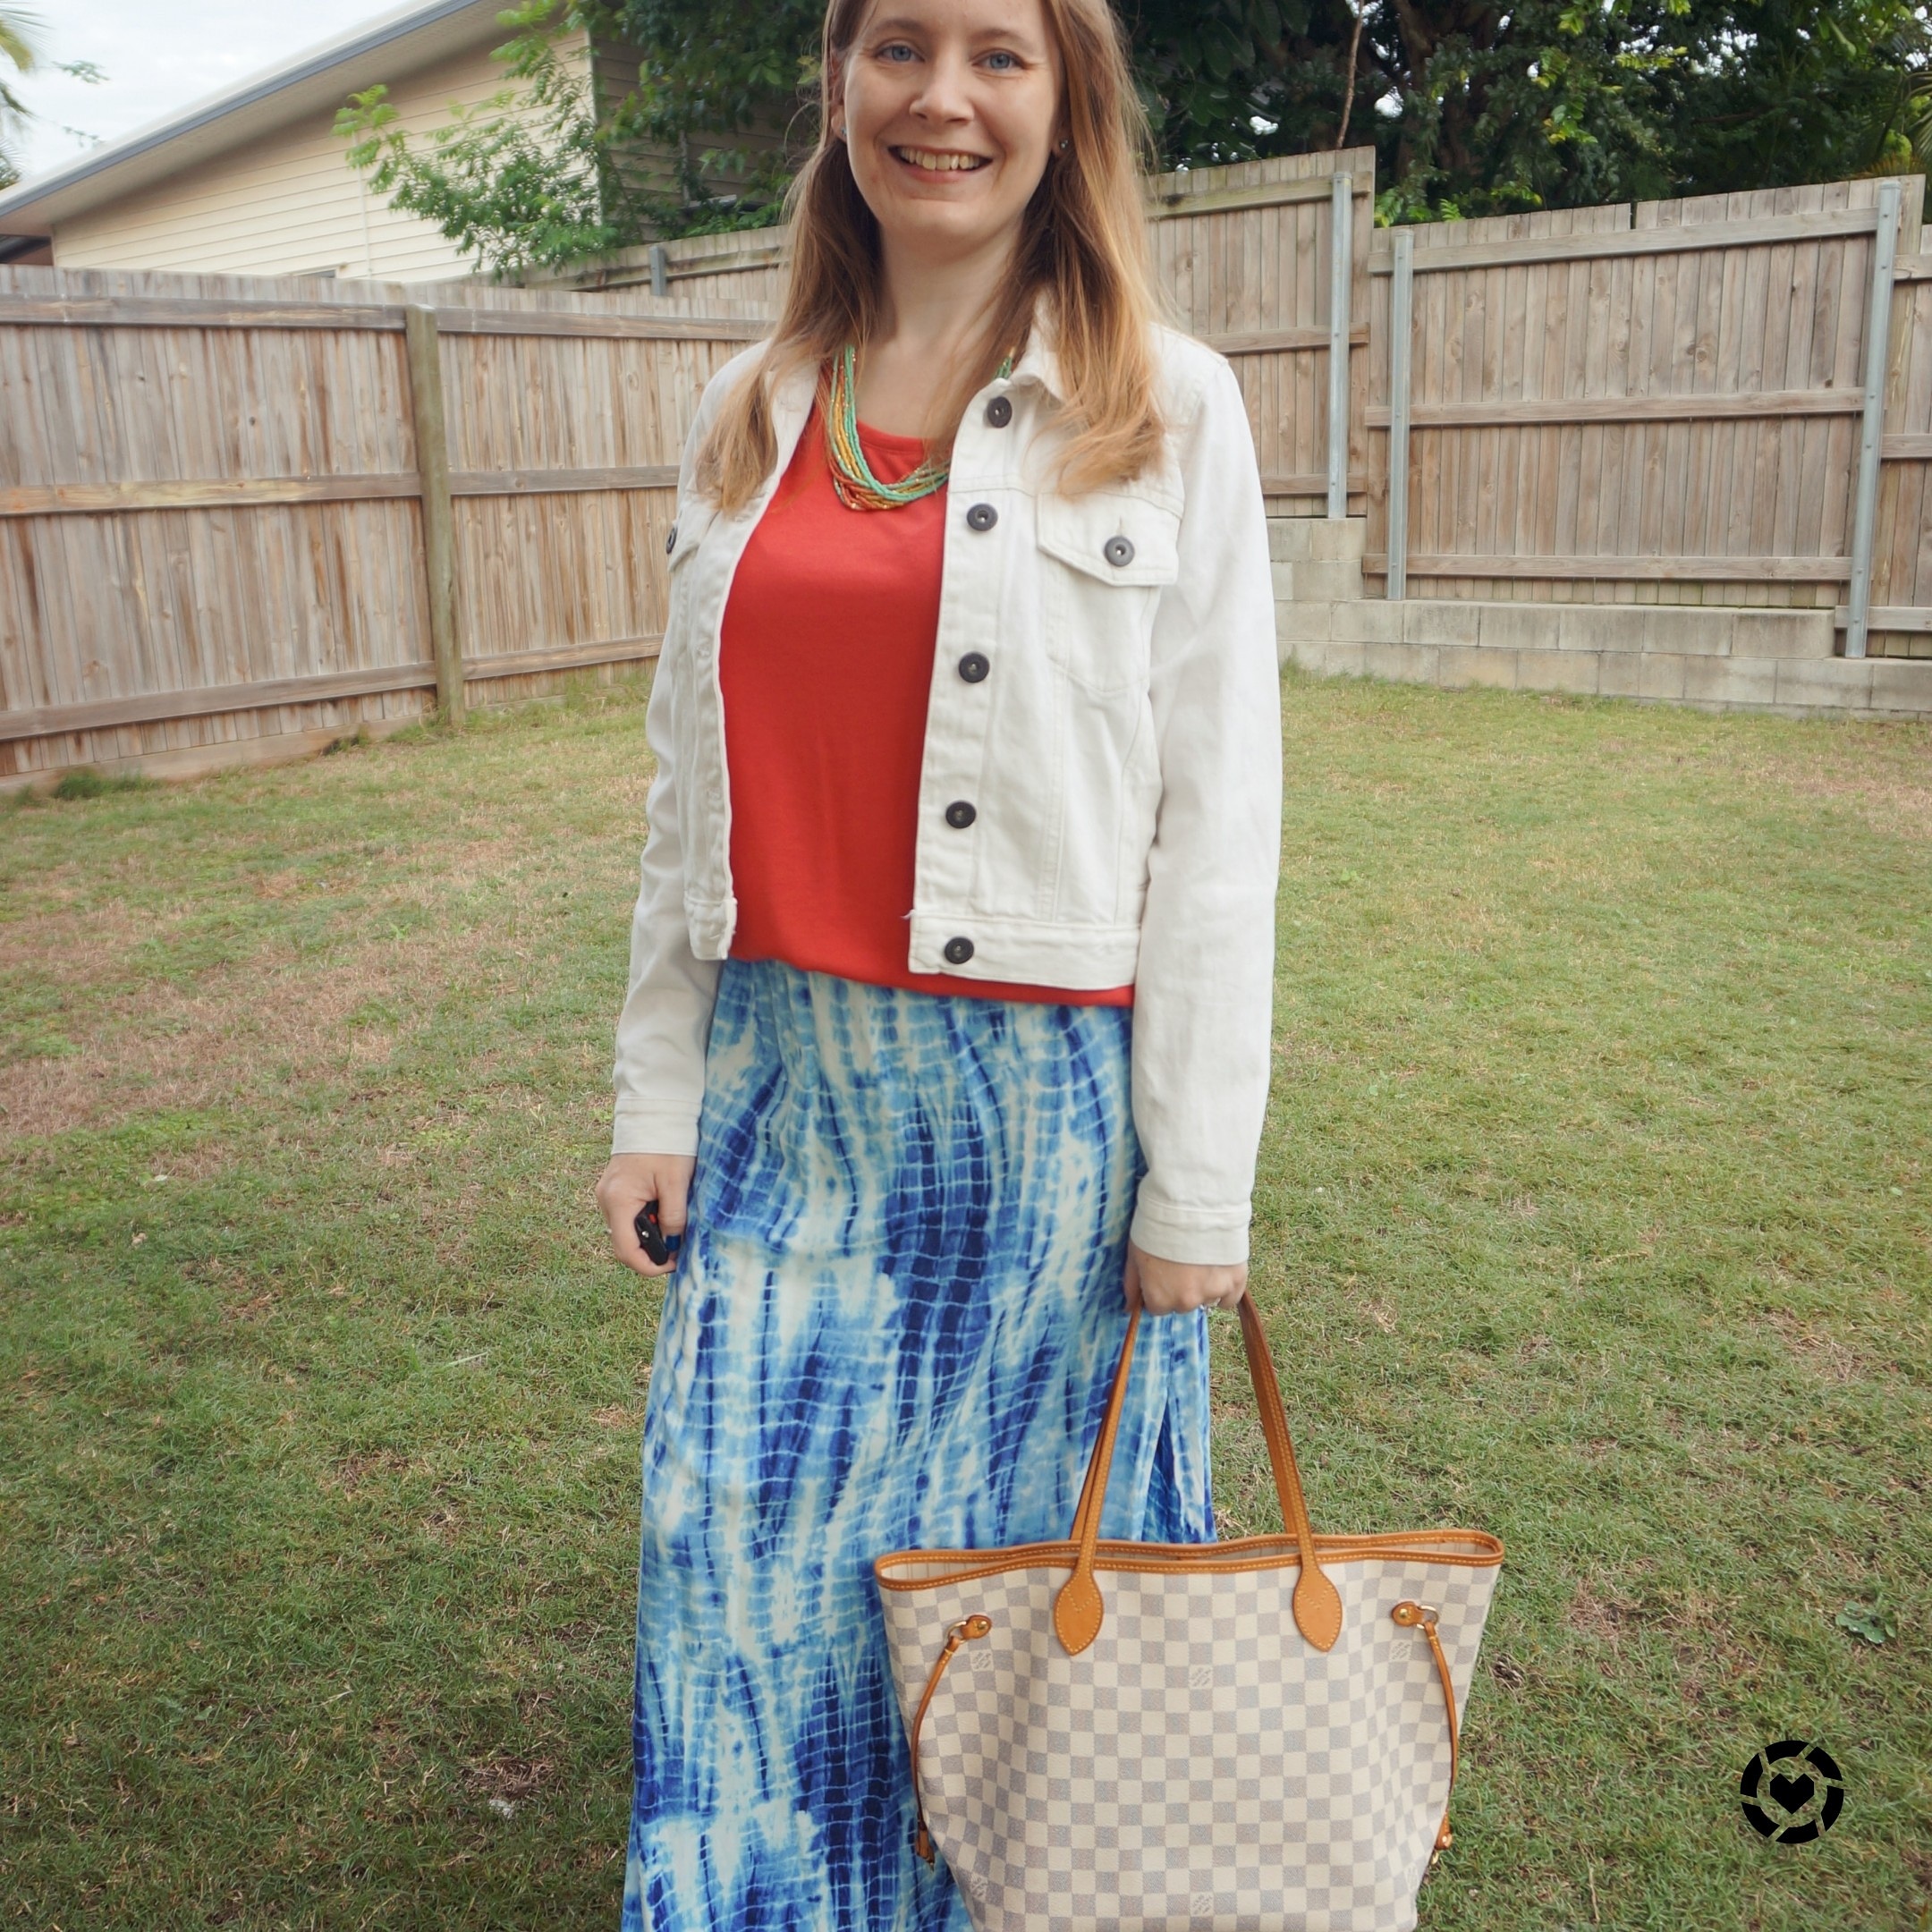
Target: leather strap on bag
(1413, 1615)
(1079, 1611)
(963, 1631)
(1318, 1604)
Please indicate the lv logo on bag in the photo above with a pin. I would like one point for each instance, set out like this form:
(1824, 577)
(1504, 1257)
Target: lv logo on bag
(1262, 1732)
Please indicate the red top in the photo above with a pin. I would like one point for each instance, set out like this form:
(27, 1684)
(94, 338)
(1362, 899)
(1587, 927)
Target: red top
(825, 662)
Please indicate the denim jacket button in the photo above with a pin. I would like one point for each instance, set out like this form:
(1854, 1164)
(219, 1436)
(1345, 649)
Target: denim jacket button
(973, 668)
(1118, 551)
(961, 813)
(982, 516)
(958, 950)
(669, 541)
(999, 413)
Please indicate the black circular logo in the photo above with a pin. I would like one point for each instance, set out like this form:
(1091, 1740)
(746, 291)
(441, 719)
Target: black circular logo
(1792, 1791)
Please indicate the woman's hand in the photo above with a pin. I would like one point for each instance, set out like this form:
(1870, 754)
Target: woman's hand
(626, 1183)
(1172, 1287)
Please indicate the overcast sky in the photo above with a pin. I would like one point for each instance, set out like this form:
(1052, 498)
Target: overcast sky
(157, 58)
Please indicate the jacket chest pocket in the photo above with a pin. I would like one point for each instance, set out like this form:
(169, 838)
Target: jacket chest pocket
(1106, 556)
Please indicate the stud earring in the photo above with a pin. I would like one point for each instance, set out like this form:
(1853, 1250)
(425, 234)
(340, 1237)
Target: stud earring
(1064, 144)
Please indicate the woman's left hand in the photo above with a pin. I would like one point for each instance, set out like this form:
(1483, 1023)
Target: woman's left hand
(1172, 1287)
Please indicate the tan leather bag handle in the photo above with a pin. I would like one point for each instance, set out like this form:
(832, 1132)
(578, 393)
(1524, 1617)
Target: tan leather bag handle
(1079, 1611)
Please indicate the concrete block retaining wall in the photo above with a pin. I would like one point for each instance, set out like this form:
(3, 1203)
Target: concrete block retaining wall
(1712, 658)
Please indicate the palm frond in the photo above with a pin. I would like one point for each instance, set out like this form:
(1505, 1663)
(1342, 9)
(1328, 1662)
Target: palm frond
(20, 37)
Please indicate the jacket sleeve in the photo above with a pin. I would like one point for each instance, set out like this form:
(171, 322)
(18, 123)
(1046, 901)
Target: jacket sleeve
(666, 1022)
(1204, 988)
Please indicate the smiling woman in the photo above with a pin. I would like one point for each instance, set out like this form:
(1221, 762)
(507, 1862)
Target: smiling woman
(946, 1046)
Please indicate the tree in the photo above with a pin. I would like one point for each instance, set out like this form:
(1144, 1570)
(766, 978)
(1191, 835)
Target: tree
(1473, 107)
(20, 47)
(529, 178)
(548, 171)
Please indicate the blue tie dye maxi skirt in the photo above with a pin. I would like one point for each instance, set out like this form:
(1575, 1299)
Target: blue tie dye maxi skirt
(892, 1326)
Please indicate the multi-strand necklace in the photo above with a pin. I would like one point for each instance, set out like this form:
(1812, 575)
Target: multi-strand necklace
(852, 475)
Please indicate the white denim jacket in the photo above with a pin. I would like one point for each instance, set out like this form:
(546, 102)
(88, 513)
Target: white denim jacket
(1104, 694)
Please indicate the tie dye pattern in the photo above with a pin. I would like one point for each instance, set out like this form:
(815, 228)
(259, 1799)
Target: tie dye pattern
(892, 1326)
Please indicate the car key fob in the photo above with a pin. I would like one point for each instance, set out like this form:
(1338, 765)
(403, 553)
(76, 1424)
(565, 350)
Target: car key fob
(659, 1246)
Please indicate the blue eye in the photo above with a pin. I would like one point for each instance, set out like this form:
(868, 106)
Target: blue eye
(1010, 63)
(894, 49)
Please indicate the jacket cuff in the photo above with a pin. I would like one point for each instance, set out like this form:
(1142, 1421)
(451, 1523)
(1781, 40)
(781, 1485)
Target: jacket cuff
(1209, 1240)
(654, 1127)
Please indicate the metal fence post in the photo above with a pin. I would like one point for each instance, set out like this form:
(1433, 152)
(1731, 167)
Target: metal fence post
(1871, 431)
(439, 523)
(1340, 270)
(1402, 303)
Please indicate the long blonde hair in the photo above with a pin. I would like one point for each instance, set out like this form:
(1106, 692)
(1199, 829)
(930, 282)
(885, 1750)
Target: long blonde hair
(1082, 246)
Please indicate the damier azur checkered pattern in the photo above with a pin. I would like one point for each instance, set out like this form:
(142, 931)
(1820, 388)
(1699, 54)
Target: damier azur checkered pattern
(1201, 1764)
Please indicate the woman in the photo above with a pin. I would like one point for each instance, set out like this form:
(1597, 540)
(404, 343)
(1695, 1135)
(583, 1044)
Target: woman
(953, 954)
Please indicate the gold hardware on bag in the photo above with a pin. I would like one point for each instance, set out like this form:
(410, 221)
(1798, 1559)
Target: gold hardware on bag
(963, 1631)
(1410, 1615)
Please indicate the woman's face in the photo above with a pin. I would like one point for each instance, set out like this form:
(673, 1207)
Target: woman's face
(951, 109)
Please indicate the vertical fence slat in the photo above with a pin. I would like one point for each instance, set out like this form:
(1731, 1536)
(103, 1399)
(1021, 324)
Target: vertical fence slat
(1871, 433)
(1340, 268)
(1402, 299)
(438, 517)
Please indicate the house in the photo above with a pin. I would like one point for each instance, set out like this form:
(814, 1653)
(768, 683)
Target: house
(254, 181)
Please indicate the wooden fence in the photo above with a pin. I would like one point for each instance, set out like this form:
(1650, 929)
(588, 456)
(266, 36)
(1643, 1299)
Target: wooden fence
(1715, 401)
(1267, 261)
(239, 517)
(1679, 402)
(239, 520)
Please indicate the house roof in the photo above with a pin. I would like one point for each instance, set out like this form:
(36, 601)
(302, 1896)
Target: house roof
(385, 48)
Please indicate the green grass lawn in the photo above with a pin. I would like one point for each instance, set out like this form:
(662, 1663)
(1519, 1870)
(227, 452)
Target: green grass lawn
(1594, 1210)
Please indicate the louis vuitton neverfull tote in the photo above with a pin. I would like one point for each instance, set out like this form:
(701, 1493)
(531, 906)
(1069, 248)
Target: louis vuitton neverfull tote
(1251, 1736)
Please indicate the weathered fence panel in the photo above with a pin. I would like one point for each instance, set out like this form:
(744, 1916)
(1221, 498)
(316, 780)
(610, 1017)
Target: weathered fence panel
(1656, 404)
(1243, 256)
(226, 530)
(218, 537)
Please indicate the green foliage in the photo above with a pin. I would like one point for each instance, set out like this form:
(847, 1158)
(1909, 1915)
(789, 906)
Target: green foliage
(1823, 92)
(1474, 106)
(19, 50)
(531, 178)
(1877, 1622)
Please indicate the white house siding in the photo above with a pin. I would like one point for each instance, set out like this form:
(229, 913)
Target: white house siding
(288, 204)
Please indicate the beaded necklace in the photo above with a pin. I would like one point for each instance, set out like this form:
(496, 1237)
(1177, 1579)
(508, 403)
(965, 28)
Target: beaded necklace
(852, 475)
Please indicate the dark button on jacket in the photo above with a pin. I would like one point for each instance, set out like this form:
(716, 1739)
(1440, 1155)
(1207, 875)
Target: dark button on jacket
(958, 951)
(999, 413)
(960, 814)
(973, 668)
(982, 516)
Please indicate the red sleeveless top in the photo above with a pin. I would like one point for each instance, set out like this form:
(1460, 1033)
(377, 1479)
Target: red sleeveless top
(826, 663)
